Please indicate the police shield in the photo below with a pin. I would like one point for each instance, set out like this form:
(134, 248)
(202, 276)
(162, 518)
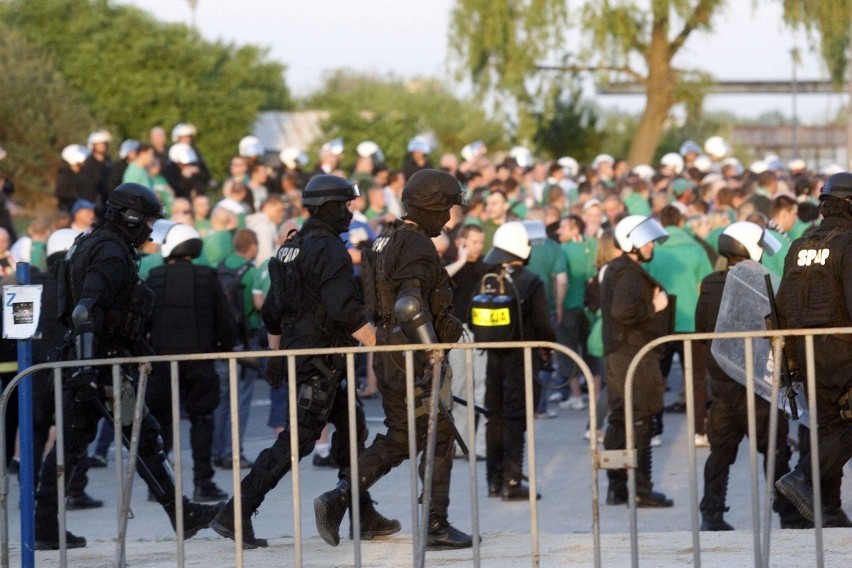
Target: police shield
(744, 307)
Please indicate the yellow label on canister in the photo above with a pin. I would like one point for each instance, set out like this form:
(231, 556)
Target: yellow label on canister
(487, 317)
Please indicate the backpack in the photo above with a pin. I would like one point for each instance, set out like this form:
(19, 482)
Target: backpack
(232, 285)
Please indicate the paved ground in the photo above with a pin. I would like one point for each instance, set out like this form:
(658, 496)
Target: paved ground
(564, 512)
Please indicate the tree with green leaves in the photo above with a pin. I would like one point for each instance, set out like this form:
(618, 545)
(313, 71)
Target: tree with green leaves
(499, 47)
(135, 72)
(39, 115)
(390, 111)
(568, 126)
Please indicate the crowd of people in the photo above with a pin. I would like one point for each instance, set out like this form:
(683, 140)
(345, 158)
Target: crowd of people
(593, 253)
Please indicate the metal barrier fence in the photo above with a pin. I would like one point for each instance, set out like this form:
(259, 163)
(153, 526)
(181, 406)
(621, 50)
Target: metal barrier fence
(124, 478)
(627, 459)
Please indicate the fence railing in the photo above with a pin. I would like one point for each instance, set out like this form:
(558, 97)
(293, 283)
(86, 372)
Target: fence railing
(761, 544)
(419, 523)
(600, 459)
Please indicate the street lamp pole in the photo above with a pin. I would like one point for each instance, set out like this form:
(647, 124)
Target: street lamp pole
(794, 53)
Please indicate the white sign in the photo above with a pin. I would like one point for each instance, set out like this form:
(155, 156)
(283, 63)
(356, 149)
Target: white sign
(21, 310)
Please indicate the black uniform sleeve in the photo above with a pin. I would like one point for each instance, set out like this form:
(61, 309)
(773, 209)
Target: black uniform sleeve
(337, 290)
(846, 278)
(107, 273)
(272, 312)
(709, 301)
(630, 305)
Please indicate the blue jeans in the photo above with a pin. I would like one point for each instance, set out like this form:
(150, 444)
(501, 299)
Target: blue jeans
(246, 377)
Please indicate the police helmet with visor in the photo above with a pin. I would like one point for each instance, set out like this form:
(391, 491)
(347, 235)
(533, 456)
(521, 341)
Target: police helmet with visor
(635, 231)
(133, 208)
(838, 185)
(511, 243)
(745, 239)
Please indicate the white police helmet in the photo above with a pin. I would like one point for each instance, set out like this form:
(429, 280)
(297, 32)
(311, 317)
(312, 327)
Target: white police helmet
(511, 242)
(703, 163)
(183, 129)
(635, 231)
(75, 154)
(182, 153)
(251, 147)
(98, 137)
(601, 158)
(473, 150)
(181, 240)
(60, 240)
(293, 157)
(717, 147)
(570, 165)
(369, 149)
(748, 240)
(523, 156)
(333, 146)
(643, 171)
(674, 161)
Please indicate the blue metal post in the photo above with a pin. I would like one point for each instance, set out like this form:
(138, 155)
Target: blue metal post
(25, 431)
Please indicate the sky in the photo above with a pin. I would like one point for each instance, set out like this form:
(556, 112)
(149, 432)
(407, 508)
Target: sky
(409, 39)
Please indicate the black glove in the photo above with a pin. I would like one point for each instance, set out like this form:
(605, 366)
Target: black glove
(84, 382)
(275, 372)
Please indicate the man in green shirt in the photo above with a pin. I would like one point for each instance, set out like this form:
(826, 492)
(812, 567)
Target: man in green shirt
(137, 169)
(580, 254)
(785, 213)
(548, 263)
(241, 261)
(679, 265)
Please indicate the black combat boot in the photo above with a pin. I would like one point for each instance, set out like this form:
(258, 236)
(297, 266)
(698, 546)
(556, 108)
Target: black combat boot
(196, 516)
(330, 508)
(616, 494)
(224, 525)
(373, 523)
(795, 487)
(444, 536)
(49, 540)
(516, 490)
(714, 521)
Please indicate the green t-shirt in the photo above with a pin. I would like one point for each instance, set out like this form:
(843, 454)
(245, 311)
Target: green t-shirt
(137, 174)
(217, 246)
(38, 255)
(775, 263)
(148, 263)
(265, 281)
(547, 260)
(580, 258)
(251, 283)
(680, 264)
(636, 204)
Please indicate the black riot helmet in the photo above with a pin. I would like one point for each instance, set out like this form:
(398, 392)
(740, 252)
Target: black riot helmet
(839, 185)
(132, 209)
(324, 188)
(432, 190)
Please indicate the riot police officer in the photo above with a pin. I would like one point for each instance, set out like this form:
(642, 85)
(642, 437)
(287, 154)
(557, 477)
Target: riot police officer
(816, 292)
(107, 308)
(312, 302)
(190, 315)
(632, 308)
(727, 422)
(407, 292)
(529, 320)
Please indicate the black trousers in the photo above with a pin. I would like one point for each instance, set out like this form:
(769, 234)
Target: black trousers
(390, 449)
(726, 428)
(616, 439)
(273, 463)
(81, 426)
(506, 402)
(199, 395)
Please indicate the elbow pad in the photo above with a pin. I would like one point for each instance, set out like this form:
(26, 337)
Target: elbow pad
(82, 318)
(416, 322)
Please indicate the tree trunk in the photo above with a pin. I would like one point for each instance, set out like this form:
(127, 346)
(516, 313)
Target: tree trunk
(659, 98)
